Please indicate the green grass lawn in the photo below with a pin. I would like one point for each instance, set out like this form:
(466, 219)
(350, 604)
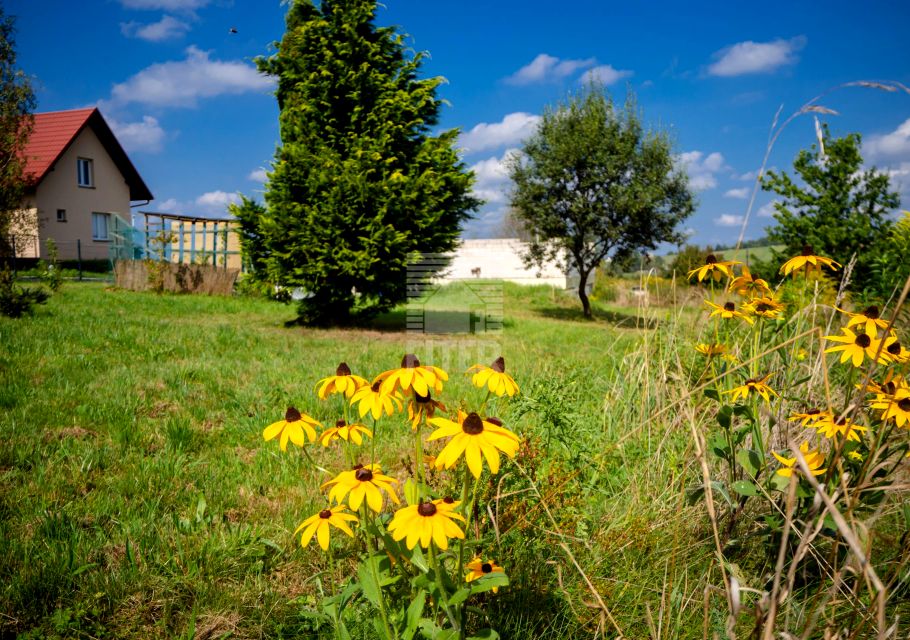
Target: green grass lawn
(138, 499)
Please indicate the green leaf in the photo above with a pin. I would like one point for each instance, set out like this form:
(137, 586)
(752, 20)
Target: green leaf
(718, 445)
(489, 581)
(459, 596)
(412, 618)
(718, 487)
(368, 584)
(485, 634)
(745, 488)
(418, 559)
(725, 416)
(750, 461)
(410, 492)
(713, 394)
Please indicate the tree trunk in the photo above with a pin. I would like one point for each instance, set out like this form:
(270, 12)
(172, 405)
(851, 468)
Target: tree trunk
(582, 295)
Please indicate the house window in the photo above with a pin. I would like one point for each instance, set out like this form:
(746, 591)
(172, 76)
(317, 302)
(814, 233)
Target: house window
(99, 226)
(84, 172)
(61, 215)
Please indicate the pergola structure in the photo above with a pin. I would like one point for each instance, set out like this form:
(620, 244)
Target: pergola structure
(192, 239)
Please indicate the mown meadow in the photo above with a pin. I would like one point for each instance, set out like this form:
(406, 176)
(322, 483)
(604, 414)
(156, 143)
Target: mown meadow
(139, 498)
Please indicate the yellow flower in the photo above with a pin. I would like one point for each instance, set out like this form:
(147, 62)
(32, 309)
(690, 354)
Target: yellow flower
(425, 522)
(421, 408)
(319, 525)
(342, 382)
(809, 417)
(895, 351)
(292, 428)
(346, 432)
(855, 347)
(362, 482)
(375, 401)
(868, 318)
(754, 385)
(494, 377)
(746, 285)
(716, 269)
(809, 261)
(855, 455)
(765, 307)
(411, 375)
(844, 427)
(712, 349)
(478, 568)
(814, 459)
(476, 439)
(896, 407)
(728, 311)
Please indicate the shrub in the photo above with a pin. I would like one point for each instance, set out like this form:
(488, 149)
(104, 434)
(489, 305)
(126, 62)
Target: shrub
(16, 301)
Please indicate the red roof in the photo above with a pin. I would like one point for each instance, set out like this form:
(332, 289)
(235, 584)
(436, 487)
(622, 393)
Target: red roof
(55, 131)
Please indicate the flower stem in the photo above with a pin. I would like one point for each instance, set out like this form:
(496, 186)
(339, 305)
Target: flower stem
(390, 632)
(440, 582)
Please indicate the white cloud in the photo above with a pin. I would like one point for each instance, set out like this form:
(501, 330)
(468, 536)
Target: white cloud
(183, 83)
(167, 206)
(512, 129)
(216, 202)
(890, 145)
(900, 180)
(492, 178)
(739, 194)
(145, 135)
(767, 210)
(168, 28)
(729, 220)
(605, 74)
(258, 175)
(166, 5)
(546, 68)
(701, 168)
(755, 57)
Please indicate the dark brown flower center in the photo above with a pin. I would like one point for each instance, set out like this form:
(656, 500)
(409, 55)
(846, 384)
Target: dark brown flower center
(871, 312)
(486, 567)
(472, 425)
(711, 259)
(807, 250)
(495, 421)
(813, 412)
(356, 467)
(292, 415)
(904, 404)
(751, 382)
(449, 500)
(762, 307)
(375, 386)
(410, 361)
(363, 475)
(862, 340)
(729, 307)
(499, 365)
(422, 399)
(340, 423)
(426, 509)
(343, 369)
(325, 514)
(889, 387)
(894, 348)
(841, 422)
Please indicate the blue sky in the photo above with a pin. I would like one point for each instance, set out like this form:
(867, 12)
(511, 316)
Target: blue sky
(200, 124)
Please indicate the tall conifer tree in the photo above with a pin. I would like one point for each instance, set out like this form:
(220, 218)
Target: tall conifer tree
(359, 185)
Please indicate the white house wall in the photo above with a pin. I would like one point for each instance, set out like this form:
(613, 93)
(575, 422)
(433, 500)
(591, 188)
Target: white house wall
(499, 259)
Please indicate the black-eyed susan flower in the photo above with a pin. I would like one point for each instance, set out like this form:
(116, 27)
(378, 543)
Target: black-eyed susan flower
(855, 455)
(476, 438)
(809, 417)
(294, 427)
(764, 307)
(855, 347)
(748, 286)
(711, 349)
(343, 382)
(319, 524)
(344, 431)
(362, 482)
(373, 400)
(814, 460)
(422, 408)
(895, 408)
(843, 427)
(895, 351)
(869, 318)
(714, 268)
(494, 378)
(425, 522)
(728, 312)
(808, 262)
(412, 375)
(478, 568)
(753, 385)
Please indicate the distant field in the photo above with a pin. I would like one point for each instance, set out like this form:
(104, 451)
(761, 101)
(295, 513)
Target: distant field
(743, 255)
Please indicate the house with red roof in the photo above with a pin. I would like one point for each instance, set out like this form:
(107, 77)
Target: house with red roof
(80, 186)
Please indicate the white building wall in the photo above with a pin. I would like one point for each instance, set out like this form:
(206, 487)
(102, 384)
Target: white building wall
(499, 259)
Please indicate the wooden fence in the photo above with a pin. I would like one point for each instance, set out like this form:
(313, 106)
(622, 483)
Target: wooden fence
(158, 275)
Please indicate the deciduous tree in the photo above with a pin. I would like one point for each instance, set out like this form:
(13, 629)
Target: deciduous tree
(591, 183)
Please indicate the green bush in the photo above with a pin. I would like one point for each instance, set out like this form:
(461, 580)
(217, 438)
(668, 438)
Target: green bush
(16, 301)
